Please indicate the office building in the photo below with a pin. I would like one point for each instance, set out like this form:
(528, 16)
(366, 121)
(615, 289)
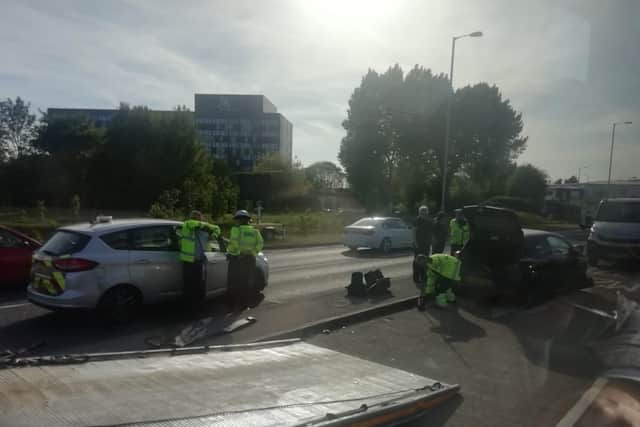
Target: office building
(242, 128)
(236, 128)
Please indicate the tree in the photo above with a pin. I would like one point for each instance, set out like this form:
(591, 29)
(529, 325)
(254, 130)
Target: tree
(324, 175)
(571, 180)
(17, 129)
(558, 181)
(70, 144)
(272, 162)
(528, 182)
(393, 148)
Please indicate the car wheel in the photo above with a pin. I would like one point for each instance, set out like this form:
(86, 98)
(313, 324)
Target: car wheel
(385, 246)
(120, 304)
(353, 248)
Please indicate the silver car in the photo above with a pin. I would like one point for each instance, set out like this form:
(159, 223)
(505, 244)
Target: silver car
(117, 265)
(378, 233)
(615, 233)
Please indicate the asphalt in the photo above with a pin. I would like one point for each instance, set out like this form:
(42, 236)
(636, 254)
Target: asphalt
(515, 366)
(306, 285)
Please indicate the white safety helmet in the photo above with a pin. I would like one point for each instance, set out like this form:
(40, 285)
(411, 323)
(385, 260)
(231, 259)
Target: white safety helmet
(423, 211)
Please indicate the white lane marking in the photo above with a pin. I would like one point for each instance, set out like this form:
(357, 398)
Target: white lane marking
(22, 304)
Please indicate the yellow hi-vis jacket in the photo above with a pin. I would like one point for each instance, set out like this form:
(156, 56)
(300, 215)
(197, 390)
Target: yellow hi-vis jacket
(244, 240)
(188, 237)
(458, 233)
(443, 265)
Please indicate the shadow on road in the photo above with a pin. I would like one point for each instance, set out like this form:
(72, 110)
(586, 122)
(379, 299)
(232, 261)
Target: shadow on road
(452, 326)
(12, 293)
(370, 299)
(438, 416)
(78, 331)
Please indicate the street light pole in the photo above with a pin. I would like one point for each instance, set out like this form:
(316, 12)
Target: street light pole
(613, 138)
(448, 118)
(580, 170)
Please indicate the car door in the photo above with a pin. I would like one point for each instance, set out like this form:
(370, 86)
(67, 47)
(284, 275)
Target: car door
(154, 261)
(406, 233)
(563, 261)
(15, 258)
(217, 267)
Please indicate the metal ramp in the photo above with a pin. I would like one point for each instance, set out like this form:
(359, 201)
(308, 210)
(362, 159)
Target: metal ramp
(268, 384)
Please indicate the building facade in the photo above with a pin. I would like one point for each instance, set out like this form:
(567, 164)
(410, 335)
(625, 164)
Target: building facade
(579, 200)
(242, 128)
(238, 129)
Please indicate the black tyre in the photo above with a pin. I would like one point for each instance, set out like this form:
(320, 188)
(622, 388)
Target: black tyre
(259, 281)
(385, 245)
(120, 304)
(353, 248)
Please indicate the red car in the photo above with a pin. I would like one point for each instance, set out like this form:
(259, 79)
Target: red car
(15, 256)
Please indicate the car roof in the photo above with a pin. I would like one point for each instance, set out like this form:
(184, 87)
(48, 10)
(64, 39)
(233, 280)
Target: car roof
(534, 232)
(379, 218)
(116, 225)
(623, 199)
(19, 234)
(531, 232)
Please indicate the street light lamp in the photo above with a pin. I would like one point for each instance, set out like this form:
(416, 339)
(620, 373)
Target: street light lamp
(448, 119)
(613, 138)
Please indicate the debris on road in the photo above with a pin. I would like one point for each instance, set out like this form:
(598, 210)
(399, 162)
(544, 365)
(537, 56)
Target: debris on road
(200, 330)
(371, 283)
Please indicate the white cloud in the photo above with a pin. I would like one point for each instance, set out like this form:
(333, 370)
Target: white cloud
(308, 56)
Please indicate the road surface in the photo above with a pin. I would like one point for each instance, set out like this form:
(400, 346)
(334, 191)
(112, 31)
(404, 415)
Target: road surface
(295, 274)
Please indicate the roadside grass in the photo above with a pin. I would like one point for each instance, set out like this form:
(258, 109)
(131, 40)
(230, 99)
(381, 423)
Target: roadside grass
(303, 228)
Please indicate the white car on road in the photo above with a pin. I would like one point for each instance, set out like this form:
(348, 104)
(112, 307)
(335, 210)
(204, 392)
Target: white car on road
(117, 265)
(384, 233)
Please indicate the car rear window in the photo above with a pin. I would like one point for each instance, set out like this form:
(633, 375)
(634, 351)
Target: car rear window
(365, 222)
(65, 242)
(619, 212)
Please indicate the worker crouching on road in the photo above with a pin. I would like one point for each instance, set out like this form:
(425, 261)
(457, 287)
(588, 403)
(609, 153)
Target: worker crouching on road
(458, 232)
(192, 247)
(245, 242)
(443, 273)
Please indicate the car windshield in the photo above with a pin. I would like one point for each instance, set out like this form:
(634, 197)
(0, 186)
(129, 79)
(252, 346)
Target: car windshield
(619, 212)
(413, 185)
(65, 242)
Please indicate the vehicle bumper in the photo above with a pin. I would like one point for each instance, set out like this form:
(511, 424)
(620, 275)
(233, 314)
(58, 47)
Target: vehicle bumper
(360, 241)
(613, 251)
(68, 299)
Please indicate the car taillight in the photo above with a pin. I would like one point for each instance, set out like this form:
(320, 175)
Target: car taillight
(74, 264)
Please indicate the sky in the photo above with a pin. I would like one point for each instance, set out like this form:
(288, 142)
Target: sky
(570, 66)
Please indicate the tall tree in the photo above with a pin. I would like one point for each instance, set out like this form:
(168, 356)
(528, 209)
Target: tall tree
(325, 175)
(571, 180)
(528, 182)
(393, 147)
(18, 128)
